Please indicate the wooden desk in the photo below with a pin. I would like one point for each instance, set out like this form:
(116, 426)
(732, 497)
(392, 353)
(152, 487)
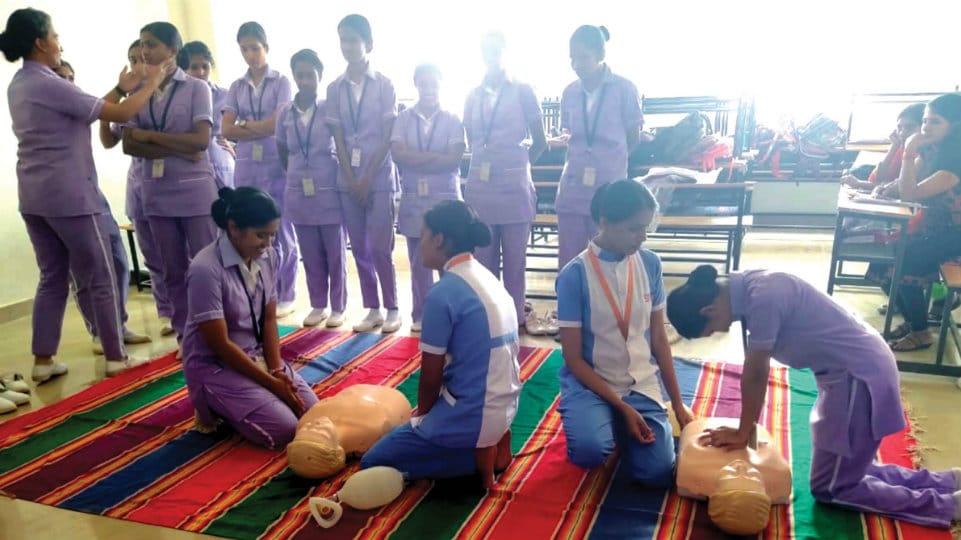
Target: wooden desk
(897, 216)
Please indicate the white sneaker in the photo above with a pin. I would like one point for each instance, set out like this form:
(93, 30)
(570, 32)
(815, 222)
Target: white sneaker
(393, 322)
(16, 397)
(416, 327)
(97, 347)
(371, 322)
(284, 309)
(116, 367)
(335, 320)
(7, 406)
(166, 328)
(550, 323)
(15, 382)
(44, 372)
(316, 317)
(132, 338)
(533, 325)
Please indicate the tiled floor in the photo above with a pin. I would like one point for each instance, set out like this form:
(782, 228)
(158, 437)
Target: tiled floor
(934, 401)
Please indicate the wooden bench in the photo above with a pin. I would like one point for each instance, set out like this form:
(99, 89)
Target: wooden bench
(951, 276)
(138, 278)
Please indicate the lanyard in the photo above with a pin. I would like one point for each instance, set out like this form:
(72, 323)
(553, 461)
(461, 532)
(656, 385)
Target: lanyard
(258, 321)
(488, 126)
(355, 117)
(305, 147)
(430, 137)
(622, 319)
(588, 132)
(259, 111)
(163, 120)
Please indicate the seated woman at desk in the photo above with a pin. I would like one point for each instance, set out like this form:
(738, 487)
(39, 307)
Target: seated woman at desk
(883, 179)
(930, 174)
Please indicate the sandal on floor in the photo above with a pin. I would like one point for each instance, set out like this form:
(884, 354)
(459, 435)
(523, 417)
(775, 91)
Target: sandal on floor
(908, 343)
(898, 332)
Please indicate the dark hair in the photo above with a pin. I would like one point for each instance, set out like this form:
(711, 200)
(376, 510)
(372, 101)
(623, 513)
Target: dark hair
(64, 63)
(255, 30)
(463, 231)
(913, 113)
(24, 27)
(191, 49)
(620, 200)
(685, 303)
(166, 33)
(947, 106)
(308, 56)
(591, 38)
(136, 43)
(359, 24)
(245, 206)
(427, 69)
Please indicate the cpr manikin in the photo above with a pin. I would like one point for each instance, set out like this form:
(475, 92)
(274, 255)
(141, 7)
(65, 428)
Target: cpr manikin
(740, 485)
(347, 424)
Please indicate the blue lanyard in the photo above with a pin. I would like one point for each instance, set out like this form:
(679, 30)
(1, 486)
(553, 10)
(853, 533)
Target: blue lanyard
(258, 322)
(430, 137)
(589, 133)
(355, 117)
(163, 119)
(305, 148)
(259, 111)
(488, 126)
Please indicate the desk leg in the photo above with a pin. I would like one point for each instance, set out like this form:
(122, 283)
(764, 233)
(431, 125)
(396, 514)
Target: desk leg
(835, 249)
(135, 260)
(895, 277)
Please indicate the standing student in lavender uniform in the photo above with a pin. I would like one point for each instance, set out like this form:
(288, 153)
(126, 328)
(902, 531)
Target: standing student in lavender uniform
(601, 112)
(499, 116)
(306, 149)
(232, 360)
(121, 266)
(111, 135)
(361, 109)
(172, 134)
(858, 403)
(428, 144)
(250, 118)
(60, 201)
(196, 59)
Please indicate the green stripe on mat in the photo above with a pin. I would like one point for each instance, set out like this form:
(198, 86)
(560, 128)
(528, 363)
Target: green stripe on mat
(283, 330)
(809, 515)
(440, 515)
(80, 424)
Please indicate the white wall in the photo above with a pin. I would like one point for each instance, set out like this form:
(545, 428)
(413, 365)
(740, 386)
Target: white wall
(97, 54)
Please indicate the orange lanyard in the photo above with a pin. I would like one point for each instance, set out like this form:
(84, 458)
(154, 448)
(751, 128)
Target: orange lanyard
(622, 320)
(462, 258)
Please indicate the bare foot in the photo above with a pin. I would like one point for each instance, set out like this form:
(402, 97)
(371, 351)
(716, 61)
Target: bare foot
(504, 457)
(485, 465)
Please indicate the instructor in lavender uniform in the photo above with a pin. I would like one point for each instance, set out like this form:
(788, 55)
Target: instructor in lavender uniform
(110, 136)
(428, 145)
(601, 113)
(172, 134)
(361, 109)
(250, 118)
(60, 200)
(311, 200)
(500, 115)
(232, 360)
(858, 402)
(196, 59)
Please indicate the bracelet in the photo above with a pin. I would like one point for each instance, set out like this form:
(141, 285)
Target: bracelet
(119, 91)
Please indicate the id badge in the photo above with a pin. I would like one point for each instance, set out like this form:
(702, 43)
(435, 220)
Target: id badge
(590, 176)
(158, 169)
(422, 188)
(485, 171)
(258, 152)
(355, 157)
(308, 187)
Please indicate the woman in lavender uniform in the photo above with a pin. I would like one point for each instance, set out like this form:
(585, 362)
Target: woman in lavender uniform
(428, 145)
(250, 118)
(500, 116)
(60, 201)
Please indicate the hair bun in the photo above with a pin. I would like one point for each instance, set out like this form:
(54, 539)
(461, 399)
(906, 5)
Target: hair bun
(226, 194)
(605, 32)
(703, 276)
(480, 233)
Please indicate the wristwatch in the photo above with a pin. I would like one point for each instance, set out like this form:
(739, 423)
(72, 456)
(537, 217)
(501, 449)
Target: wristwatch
(242, 122)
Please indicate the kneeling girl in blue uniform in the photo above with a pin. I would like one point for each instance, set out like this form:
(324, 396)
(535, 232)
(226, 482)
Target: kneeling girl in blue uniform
(469, 378)
(617, 358)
